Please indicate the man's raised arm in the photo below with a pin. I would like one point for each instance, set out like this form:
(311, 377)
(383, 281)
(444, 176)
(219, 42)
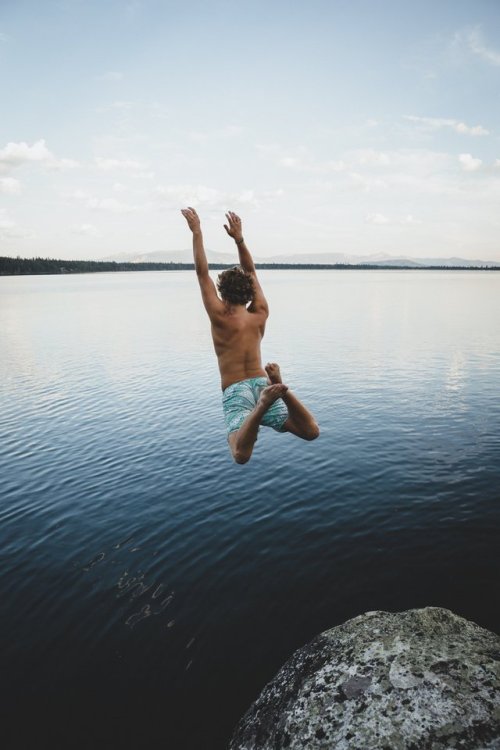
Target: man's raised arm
(200, 259)
(209, 295)
(235, 230)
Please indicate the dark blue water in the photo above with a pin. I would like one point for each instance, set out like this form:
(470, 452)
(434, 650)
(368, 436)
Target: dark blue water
(149, 586)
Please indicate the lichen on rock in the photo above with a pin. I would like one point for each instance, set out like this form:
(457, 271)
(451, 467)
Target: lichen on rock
(423, 679)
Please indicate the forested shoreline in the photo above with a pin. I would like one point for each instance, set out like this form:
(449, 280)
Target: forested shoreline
(37, 266)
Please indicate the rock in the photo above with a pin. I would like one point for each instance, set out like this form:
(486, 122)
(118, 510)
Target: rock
(425, 679)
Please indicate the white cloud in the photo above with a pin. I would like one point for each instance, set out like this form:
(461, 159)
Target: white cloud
(382, 219)
(9, 185)
(3, 37)
(6, 224)
(307, 164)
(497, 162)
(77, 194)
(111, 75)
(111, 205)
(252, 198)
(87, 230)
(435, 123)
(272, 194)
(16, 154)
(376, 218)
(418, 161)
(478, 47)
(469, 163)
(7, 229)
(228, 131)
(10, 230)
(212, 198)
(371, 158)
(332, 165)
(196, 195)
(158, 111)
(267, 149)
(109, 164)
(121, 105)
(395, 174)
(247, 197)
(61, 164)
(366, 182)
(363, 167)
(410, 219)
(461, 127)
(299, 160)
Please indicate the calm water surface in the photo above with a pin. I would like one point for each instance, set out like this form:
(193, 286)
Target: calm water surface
(149, 586)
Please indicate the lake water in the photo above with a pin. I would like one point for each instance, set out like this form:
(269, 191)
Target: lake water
(149, 586)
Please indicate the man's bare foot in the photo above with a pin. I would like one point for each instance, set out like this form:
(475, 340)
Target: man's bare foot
(273, 372)
(272, 393)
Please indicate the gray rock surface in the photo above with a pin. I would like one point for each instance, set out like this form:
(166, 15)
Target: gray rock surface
(424, 679)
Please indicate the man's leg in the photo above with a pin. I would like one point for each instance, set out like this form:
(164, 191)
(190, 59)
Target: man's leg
(243, 440)
(300, 421)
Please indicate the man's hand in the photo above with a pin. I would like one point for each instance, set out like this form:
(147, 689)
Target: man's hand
(192, 219)
(234, 229)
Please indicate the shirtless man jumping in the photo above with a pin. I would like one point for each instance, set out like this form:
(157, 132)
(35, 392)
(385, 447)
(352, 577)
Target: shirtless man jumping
(252, 395)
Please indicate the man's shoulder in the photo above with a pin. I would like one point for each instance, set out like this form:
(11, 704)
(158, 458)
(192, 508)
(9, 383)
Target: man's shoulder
(259, 307)
(260, 311)
(256, 316)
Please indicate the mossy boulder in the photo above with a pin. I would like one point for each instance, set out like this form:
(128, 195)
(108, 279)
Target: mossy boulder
(424, 679)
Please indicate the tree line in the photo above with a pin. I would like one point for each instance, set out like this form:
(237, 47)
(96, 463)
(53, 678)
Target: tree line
(29, 266)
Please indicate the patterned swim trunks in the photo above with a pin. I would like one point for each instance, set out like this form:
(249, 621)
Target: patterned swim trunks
(240, 398)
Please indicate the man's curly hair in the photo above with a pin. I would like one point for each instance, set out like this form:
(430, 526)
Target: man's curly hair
(236, 286)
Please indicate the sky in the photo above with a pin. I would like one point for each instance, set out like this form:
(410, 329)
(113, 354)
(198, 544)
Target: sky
(353, 127)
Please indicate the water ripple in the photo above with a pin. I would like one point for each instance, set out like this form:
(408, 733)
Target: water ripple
(139, 560)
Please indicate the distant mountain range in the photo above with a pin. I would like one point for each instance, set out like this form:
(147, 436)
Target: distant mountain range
(186, 256)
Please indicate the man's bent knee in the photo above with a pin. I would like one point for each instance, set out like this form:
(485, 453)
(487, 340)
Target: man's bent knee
(312, 432)
(241, 458)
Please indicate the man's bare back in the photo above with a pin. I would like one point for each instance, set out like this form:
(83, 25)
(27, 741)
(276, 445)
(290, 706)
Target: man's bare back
(237, 334)
(252, 395)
